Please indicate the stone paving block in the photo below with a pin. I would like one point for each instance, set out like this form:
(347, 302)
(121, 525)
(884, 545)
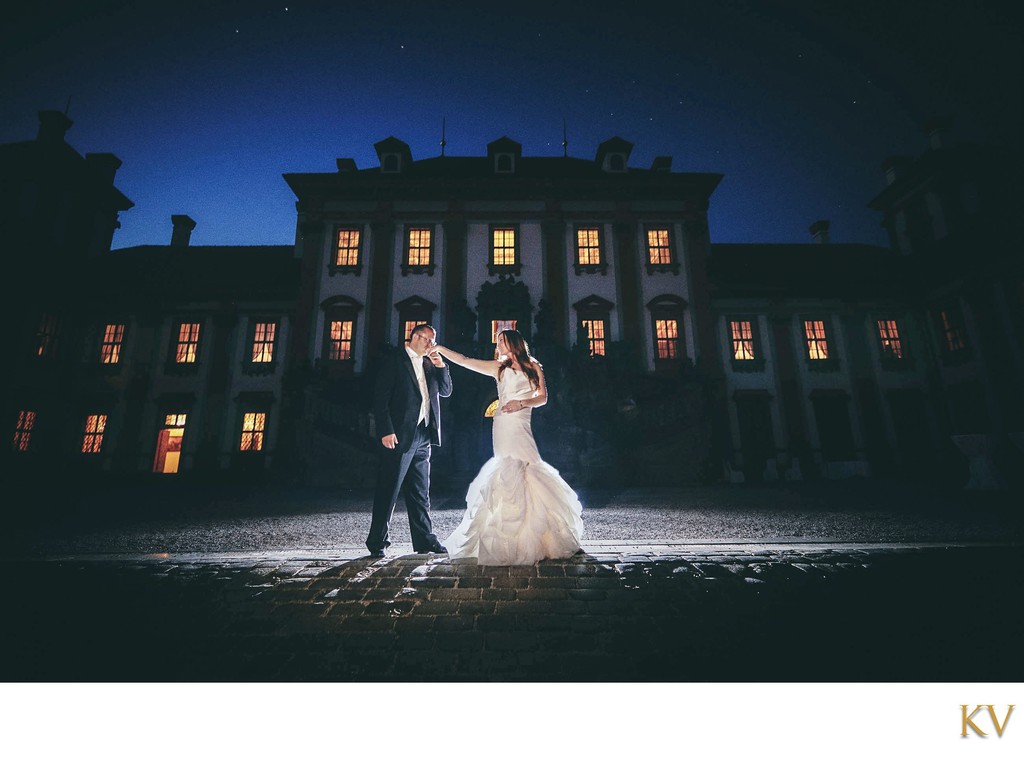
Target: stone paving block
(561, 582)
(529, 622)
(550, 570)
(416, 640)
(435, 607)
(541, 594)
(587, 594)
(476, 607)
(511, 582)
(457, 622)
(408, 624)
(496, 623)
(475, 582)
(454, 641)
(433, 582)
(497, 594)
(456, 594)
(522, 607)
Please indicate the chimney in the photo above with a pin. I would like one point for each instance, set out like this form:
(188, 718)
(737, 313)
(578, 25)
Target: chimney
(103, 165)
(937, 131)
(183, 226)
(820, 231)
(661, 164)
(345, 165)
(52, 126)
(894, 167)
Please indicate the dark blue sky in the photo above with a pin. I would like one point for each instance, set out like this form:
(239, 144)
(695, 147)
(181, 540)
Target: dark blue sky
(796, 104)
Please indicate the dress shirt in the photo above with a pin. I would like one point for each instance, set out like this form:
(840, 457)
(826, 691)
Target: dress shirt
(421, 378)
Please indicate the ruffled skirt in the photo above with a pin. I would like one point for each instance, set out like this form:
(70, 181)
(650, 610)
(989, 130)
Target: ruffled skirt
(517, 513)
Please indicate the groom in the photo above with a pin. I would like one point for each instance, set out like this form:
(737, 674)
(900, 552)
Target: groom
(407, 411)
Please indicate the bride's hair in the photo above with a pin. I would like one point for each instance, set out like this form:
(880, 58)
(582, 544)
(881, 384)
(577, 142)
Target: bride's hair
(519, 349)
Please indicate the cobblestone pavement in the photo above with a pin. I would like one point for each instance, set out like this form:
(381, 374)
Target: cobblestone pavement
(674, 612)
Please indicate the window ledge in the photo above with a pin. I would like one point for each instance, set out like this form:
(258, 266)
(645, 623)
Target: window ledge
(672, 267)
(183, 368)
(427, 269)
(747, 365)
(355, 270)
(499, 269)
(259, 368)
(823, 365)
(601, 268)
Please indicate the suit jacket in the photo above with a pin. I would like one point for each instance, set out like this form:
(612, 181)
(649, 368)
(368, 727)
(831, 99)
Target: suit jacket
(396, 397)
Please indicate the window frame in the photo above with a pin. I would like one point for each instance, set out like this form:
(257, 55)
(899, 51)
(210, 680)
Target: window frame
(494, 268)
(249, 365)
(601, 265)
(953, 325)
(419, 268)
(119, 344)
(888, 361)
(830, 363)
(356, 269)
(668, 307)
(173, 366)
(24, 425)
(757, 362)
(672, 265)
(97, 435)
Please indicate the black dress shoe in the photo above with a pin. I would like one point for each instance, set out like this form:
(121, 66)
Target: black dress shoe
(437, 549)
(377, 553)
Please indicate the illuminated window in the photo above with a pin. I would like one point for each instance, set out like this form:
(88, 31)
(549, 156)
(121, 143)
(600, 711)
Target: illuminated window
(168, 444)
(666, 339)
(46, 336)
(23, 430)
(340, 341)
(253, 426)
(505, 257)
(504, 246)
(264, 334)
(658, 249)
(346, 253)
(742, 340)
(92, 440)
(418, 248)
(497, 325)
(186, 350)
(816, 340)
(595, 332)
(588, 246)
(954, 333)
(110, 347)
(889, 337)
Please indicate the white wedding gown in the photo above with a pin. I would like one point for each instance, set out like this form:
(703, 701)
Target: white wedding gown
(518, 508)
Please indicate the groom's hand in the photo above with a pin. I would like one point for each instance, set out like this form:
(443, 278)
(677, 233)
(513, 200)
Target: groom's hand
(389, 441)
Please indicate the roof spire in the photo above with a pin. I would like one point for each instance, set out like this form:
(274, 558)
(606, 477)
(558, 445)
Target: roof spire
(443, 141)
(565, 141)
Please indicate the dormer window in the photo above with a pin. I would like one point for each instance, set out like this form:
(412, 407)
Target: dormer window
(393, 154)
(503, 152)
(613, 155)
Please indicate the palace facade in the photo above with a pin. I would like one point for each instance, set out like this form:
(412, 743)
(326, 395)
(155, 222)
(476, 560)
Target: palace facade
(670, 358)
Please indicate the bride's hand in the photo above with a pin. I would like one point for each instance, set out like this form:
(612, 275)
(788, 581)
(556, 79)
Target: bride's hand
(515, 405)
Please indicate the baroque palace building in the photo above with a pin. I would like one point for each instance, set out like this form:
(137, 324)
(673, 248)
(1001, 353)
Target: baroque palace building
(670, 359)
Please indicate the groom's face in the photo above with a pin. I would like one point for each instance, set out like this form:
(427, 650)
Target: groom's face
(422, 341)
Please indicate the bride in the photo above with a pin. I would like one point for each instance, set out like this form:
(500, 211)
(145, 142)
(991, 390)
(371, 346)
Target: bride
(518, 508)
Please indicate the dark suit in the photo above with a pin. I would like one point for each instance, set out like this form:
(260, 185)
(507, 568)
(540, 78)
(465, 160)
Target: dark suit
(405, 469)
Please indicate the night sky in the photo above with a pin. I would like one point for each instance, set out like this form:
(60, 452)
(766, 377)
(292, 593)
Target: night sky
(796, 103)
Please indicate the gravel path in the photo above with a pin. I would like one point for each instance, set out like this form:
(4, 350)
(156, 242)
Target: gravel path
(289, 520)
